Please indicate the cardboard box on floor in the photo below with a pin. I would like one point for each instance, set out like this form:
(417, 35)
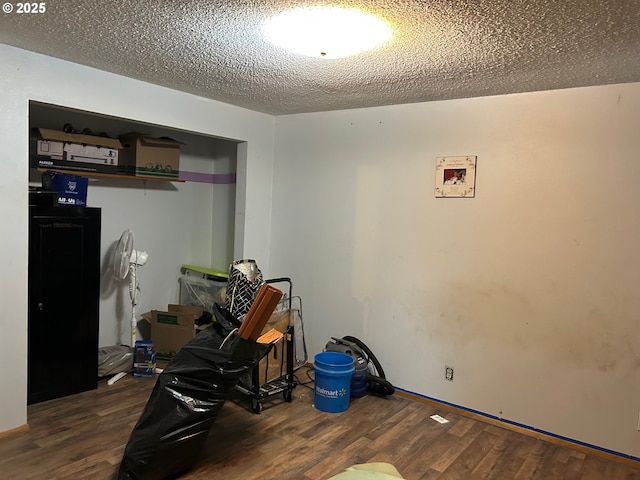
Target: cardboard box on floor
(173, 328)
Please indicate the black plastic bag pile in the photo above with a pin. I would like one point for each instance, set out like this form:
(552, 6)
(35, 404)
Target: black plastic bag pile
(186, 399)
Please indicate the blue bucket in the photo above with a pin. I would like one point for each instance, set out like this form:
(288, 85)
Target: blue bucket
(333, 373)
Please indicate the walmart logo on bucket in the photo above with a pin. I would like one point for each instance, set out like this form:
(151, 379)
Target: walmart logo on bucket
(323, 392)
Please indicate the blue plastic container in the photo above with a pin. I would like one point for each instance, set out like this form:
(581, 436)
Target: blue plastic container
(144, 359)
(359, 379)
(333, 372)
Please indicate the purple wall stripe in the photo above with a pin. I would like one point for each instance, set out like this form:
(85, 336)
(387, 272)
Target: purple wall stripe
(220, 178)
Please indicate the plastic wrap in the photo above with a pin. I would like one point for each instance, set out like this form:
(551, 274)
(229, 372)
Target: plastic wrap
(114, 359)
(185, 402)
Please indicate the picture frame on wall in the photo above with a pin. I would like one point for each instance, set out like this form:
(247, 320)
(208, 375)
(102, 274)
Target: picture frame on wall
(456, 176)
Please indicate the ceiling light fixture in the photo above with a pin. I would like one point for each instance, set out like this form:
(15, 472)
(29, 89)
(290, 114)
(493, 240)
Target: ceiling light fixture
(327, 32)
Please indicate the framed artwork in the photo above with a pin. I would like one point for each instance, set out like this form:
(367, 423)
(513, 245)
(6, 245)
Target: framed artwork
(456, 176)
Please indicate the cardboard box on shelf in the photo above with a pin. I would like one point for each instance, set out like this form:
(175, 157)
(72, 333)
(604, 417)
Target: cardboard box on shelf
(71, 151)
(172, 329)
(146, 156)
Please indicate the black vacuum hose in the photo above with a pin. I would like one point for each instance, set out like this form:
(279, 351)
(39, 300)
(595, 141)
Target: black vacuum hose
(377, 384)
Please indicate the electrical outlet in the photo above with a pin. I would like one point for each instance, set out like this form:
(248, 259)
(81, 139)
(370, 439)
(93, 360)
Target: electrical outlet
(448, 373)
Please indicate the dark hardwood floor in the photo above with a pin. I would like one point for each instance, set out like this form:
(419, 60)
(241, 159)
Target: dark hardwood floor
(83, 437)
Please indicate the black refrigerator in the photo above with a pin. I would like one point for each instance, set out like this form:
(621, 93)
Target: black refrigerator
(64, 296)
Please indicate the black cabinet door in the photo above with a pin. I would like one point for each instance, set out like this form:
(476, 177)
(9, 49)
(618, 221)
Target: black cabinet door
(64, 295)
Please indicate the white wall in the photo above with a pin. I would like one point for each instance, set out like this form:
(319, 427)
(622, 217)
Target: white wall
(27, 76)
(530, 290)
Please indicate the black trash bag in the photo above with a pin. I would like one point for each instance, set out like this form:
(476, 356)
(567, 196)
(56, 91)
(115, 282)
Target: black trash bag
(225, 320)
(185, 402)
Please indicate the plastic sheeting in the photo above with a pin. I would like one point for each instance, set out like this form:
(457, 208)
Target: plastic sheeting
(114, 359)
(185, 401)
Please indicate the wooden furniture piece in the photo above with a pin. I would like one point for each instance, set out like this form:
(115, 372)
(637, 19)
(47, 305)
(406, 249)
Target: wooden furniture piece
(64, 292)
(261, 309)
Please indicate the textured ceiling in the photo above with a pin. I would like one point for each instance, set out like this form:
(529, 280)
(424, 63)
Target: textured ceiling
(441, 49)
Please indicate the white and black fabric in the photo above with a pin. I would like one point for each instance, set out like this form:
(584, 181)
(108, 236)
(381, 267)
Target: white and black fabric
(245, 278)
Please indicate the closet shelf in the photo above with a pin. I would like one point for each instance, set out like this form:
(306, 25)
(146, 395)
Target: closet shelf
(110, 175)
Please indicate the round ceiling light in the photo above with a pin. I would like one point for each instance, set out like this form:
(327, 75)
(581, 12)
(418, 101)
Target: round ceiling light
(326, 32)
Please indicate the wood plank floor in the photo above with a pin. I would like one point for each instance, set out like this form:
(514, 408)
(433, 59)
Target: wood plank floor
(83, 437)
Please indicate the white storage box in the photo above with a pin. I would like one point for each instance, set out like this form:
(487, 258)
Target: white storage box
(72, 151)
(202, 287)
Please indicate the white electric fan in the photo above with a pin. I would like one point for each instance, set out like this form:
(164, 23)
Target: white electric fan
(126, 261)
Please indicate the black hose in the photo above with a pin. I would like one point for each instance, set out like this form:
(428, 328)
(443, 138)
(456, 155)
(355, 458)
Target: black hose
(371, 357)
(377, 384)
